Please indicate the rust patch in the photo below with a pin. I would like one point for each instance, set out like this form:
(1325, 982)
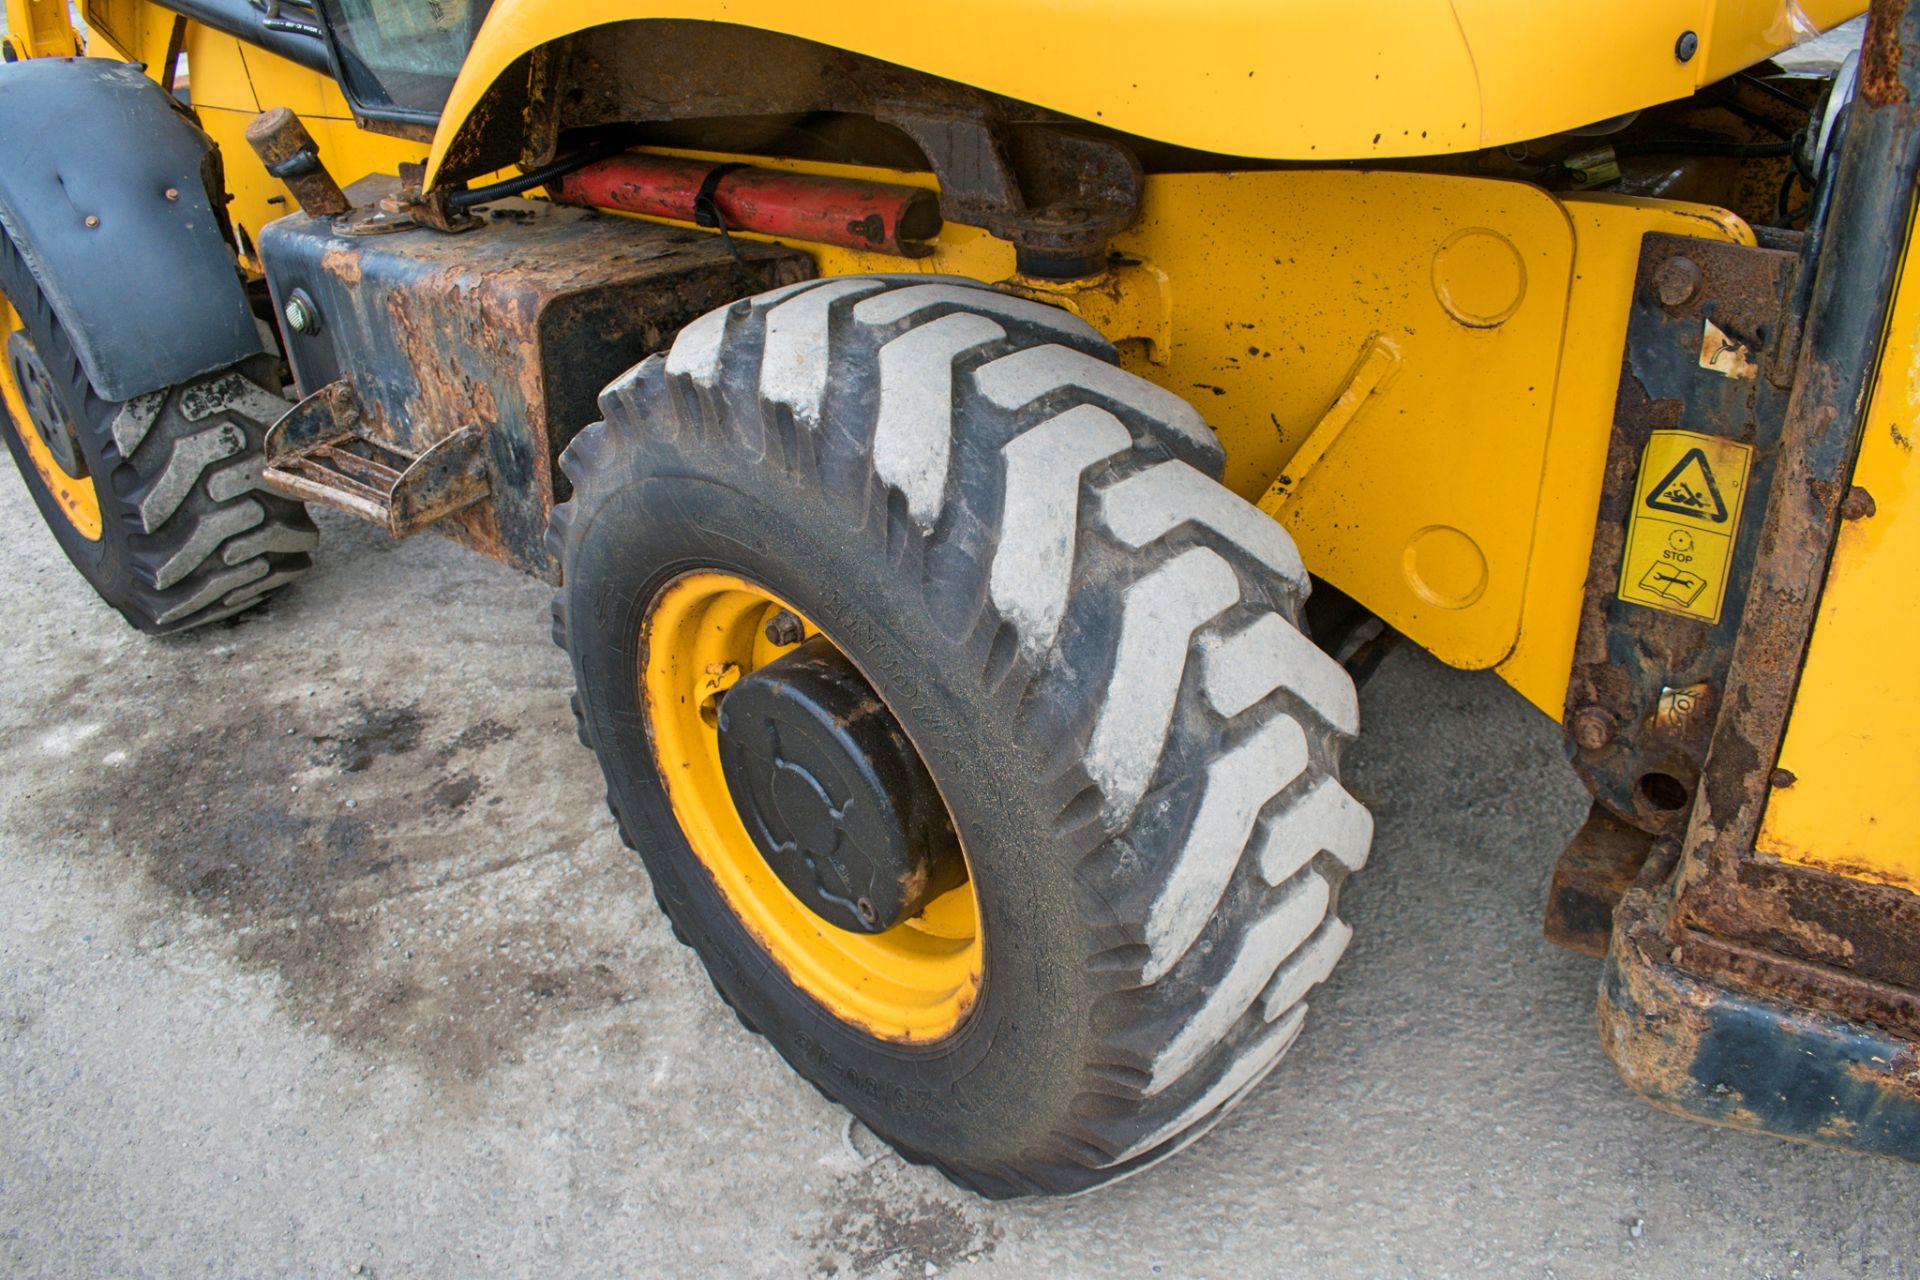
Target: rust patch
(512, 329)
(1881, 53)
(1592, 875)
(342, 262)
(1720, 1054)
(1858, 504)
(1661, 676)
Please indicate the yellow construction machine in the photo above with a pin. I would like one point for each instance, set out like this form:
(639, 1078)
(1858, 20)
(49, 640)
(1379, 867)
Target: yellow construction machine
(977, 458)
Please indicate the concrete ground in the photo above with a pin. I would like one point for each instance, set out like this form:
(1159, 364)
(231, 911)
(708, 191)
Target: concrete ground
(319, 957)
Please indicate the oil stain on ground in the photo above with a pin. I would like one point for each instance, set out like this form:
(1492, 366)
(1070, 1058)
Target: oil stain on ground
(320, 843)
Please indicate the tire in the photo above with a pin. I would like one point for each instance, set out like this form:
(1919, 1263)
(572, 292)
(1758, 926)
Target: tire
(1095, 648)
(185, 534)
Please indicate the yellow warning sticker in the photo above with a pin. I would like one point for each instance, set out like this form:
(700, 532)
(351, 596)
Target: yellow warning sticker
(1686, 511)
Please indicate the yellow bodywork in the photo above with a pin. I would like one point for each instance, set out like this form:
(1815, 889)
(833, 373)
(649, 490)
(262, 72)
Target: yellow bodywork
(1272, 79)
(914, 982)
(40, 29)
(1415, 373)
(1450, 489)
(1854, 736)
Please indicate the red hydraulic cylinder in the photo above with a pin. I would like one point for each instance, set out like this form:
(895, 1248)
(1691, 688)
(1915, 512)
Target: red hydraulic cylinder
(794, 206)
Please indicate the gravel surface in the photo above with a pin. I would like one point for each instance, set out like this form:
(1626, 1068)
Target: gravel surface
(318, 952)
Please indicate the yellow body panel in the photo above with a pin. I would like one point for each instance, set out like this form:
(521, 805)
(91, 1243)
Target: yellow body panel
(1479, 457)
(230, 83)
(1854, 734)
(1275, 79)
(40, 29)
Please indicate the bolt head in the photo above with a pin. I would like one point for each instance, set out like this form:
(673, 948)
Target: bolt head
(785, 629)
(1592, 728)
(93, 220)
(173, 193)
(300, 317)
(1678, 281)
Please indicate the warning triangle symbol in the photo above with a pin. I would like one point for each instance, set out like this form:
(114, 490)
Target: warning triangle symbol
(1690, 490)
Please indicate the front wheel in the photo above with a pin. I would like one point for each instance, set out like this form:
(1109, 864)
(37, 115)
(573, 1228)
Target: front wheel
(962, 719)
(156, 500)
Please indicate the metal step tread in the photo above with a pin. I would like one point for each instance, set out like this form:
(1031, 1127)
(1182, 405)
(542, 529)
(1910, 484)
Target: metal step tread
(320, 452)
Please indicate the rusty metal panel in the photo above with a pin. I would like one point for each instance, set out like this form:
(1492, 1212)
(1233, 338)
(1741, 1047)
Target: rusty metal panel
(1748, 1053)
(1723, 887)
(513, 328)
(1738, 917)
(1595, 871)
(1701, 386)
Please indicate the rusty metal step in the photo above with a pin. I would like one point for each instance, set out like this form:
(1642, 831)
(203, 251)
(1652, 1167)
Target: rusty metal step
(320, 451)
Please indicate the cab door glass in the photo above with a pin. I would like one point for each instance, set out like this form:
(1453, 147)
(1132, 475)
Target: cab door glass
(398, 58)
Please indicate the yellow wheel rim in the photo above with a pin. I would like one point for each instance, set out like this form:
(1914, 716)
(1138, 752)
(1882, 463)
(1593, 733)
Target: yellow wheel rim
(916, 981)
(75, 497)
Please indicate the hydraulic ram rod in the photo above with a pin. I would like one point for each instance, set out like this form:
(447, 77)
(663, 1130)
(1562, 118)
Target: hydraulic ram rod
(794, 206)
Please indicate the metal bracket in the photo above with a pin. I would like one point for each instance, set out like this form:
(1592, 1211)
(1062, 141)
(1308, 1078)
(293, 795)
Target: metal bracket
(1058, 196)
(318, 452)
(1650, 673)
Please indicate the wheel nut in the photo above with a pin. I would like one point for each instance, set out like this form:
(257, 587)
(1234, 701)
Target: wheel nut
(1592, 728)
(785, 629)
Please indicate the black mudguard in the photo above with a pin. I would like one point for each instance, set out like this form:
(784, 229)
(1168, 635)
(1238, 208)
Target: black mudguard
(143, 282)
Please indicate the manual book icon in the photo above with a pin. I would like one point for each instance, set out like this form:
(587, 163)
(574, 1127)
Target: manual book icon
(1690, 490)
(1682, 586)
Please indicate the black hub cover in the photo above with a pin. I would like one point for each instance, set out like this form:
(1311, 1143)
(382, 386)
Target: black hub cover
(833, 793)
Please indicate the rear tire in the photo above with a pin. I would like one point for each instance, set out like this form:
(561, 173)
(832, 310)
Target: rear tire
(186, 536)
(1096, 650)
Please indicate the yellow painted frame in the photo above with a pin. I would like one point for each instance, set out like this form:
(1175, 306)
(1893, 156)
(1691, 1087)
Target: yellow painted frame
(40, 29)
(1846, 802)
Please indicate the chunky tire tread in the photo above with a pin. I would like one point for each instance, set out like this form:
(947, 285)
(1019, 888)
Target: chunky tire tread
(1123, 609)
(189, 536)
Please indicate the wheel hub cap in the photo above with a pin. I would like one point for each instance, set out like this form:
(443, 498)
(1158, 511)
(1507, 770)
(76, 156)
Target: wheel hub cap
(832, 792)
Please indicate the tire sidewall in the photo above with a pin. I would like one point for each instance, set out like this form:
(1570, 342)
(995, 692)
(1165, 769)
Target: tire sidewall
(662, 518)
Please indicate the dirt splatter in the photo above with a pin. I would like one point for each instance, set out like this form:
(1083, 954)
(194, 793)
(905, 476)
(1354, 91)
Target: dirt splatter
(376, 732)
(884, 1228)
(455, 793)
(483, 733)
